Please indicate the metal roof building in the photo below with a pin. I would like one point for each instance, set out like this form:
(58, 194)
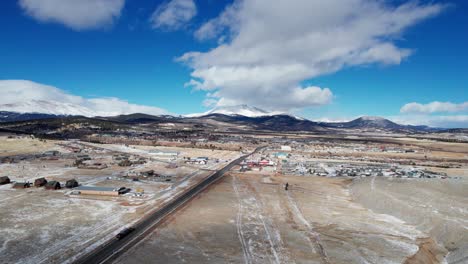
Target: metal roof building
(92, 190)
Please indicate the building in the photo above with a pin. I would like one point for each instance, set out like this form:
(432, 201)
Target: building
(71, 183)
(281, 155)
(266, 162)
(286, 148)
(92, 165)
(125, 163)
(21, 185)
(149, 173)
(165, 153)
(4, 180)
(172, 166)
(53, 185)
(105, 191)
(51, 153)
(199, 160)
(40, 182)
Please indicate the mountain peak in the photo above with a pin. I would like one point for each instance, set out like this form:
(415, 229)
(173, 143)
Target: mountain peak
(372, 118)
(374, 122)
(242, 110)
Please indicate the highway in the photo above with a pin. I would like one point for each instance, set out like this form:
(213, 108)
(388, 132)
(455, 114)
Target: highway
(112, 249)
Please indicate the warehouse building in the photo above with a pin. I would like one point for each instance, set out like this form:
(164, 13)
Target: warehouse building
(105, 191)
(164, 154)
(167, 153)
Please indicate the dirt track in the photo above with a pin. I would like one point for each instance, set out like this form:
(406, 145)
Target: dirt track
(252, 219)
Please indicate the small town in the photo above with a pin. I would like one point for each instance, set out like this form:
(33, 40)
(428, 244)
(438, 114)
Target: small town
(233, 131)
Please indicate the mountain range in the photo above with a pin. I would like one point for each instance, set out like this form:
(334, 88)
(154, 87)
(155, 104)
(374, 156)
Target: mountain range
(239, 115)
(242, 110)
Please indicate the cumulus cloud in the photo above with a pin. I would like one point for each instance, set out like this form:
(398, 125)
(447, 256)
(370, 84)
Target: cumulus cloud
(174, 14)
(444, 121)
(266, 51)
(27, 97)
(434, 107)
(76, 14)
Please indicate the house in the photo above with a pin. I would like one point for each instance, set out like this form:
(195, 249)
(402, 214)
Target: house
(201, 160)
(40, 182)
(53, 185)
(21, 185)
(4, 180)
(71, 183)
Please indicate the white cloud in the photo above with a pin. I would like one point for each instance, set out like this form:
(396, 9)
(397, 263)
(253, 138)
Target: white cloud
(174, 14)
(434, 107)
(76, 14)
(444, 121)
(267, 50)
(27, 96)
(334, 119)
(214, 27)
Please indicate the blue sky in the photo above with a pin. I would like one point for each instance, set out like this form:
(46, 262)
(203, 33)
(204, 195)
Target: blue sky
(134, 52)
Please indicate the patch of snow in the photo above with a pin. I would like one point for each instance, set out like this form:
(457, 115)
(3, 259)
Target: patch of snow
(372, 118)
(241, 110)
(47, 107)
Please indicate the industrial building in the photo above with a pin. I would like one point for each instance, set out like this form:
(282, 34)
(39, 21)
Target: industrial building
(164, 154)
(105, 191)
(168, 153)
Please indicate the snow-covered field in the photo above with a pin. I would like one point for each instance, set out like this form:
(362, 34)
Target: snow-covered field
(40, 226)
(247, 219)
(52, 226)
(436, 207)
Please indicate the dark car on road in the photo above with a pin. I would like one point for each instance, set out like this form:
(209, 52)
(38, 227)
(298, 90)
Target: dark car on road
(124, 232)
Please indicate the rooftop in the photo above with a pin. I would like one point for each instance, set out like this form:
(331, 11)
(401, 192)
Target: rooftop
(94, 188)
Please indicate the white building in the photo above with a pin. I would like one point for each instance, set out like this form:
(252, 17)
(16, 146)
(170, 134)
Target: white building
(159, 152)
(286, 148)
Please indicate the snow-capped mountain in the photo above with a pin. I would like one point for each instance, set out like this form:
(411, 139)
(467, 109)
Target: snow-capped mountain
(380, 123)
(43, 109)
(47, 107)
(373, 122)
(89, 108)
(242, 110)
